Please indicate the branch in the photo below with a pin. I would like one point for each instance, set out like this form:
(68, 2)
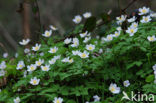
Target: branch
(26, 20)
(3, 47)
(99, 23)
(24, 10)
(132, 2)
(7, 36)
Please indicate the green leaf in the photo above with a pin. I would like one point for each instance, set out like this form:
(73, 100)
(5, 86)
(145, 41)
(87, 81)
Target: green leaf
(70, 101)
(137, 63)
(150, 78)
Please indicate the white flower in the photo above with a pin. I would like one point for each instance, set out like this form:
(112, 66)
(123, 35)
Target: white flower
(100, 50)
(26, 50)
(53, 27)
(82, 35)
(31, 67)
(39, 62)
(87, 102)
(154, 67)
(0, 90)
(29, 54)
(143, 10)
(134, 25)
(151, 38)
(52, 61)
(5, 55)
(36, 47)
(2, 73)
(53, 50)
(17, 100)
(67, 40)
(96, 42)
(119, 28)
(153, 15)
(103, 39)
(145, 19)
(24, 42)
(96, 98)
(16, 55)
(41, 54)
(114, 89)
(121, 19)
(57, 57)
(58, 100)
(87, 15)
(86, 39)
(109, 37)
(45, 68)
(47, 33)
(84, 54)
(70, 61)
(116, 34)
(25, 73)
(34, 81)
(75, 42)
(131, 19)
(155, 74)
(77, 19)
(90, 47)
(20, 65)
(126, 83)
(131, 31)
(88, 34)
(97, 37)
(65, 60)
(75, 52)
(3, 65)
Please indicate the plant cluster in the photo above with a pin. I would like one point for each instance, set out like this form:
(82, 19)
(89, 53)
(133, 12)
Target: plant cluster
(84, 68)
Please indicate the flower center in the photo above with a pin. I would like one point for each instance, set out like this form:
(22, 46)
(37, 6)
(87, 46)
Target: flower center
(90, 48)
(36, 48)
(135, 25)
(57, 101)
(53, 50)
(83, 55)
(132, 31)
(116, 34)
(151, 38)
(32, 68)
(45, 68)
(71, 60)
(125, 83)
(144, 10)
(146, 19)
(20, 66)
(39, 63)
(34, 81)
(112, 89)
(47, 34)
(109, 38)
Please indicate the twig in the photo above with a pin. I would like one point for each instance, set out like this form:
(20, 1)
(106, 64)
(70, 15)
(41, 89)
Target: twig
(98, 24)
(3, 47)
(133, 1)
(7, 36)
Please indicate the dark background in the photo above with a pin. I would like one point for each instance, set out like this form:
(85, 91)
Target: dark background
(57, 12)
